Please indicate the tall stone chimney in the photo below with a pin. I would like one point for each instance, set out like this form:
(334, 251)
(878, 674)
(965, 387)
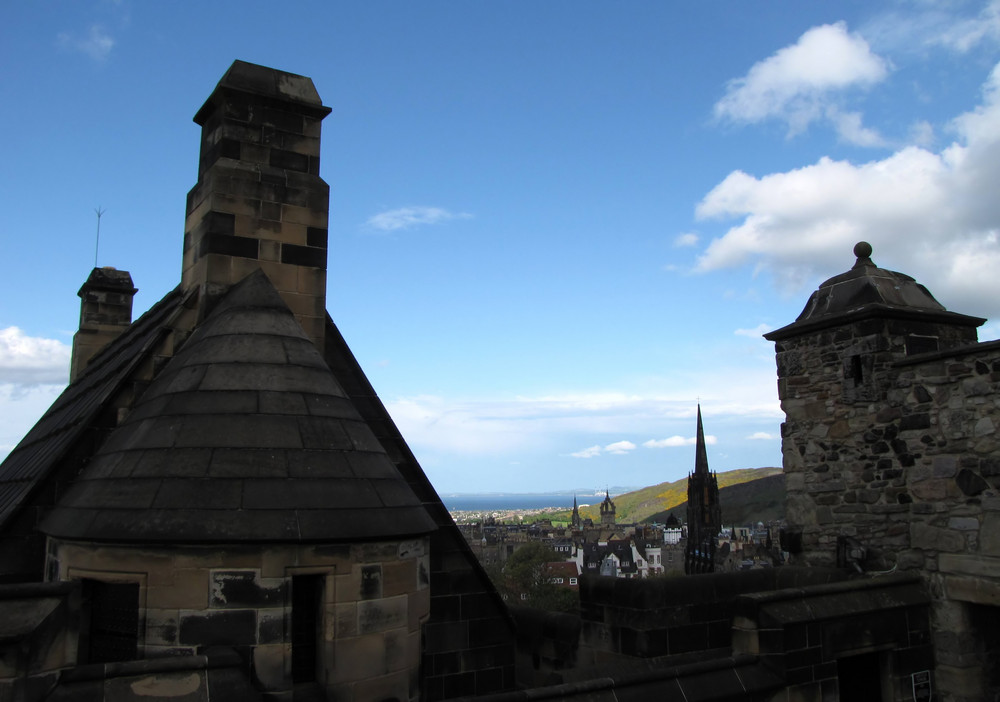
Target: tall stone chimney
(259, 201)
(105, 312)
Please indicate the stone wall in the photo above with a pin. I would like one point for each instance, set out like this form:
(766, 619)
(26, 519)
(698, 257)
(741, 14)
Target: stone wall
(853, 640)
(892, 462)
(375, 597)
(852, 437)
(669, 616)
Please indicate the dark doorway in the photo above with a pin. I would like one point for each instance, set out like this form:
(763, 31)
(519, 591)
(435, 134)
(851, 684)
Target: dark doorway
(986, 639)
(307, 598)
(860, 678)
(111, 625)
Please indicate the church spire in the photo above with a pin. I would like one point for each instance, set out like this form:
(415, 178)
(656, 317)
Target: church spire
(700, 454)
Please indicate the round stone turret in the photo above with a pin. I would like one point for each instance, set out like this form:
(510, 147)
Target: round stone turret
(869, 291)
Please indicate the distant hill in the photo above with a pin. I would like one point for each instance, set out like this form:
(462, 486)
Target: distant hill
(756, 500)
(751, 494)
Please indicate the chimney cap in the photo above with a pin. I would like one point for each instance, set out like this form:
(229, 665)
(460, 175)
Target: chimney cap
(109, 279)
(270, 83)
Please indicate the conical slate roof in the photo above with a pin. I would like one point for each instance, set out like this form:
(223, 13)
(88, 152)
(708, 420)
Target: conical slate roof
(244, 436)
(867, 290)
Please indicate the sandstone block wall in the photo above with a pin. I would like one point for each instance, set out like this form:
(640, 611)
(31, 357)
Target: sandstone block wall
(375, 599)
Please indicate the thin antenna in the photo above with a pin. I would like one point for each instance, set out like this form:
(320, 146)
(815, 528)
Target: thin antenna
(97, 244)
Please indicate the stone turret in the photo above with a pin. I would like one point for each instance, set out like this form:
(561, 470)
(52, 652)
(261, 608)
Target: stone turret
(259, 201)
(105, 312)
(845, 452)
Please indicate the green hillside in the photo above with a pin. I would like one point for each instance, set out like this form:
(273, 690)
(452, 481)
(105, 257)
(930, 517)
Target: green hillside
(757, 500)
(739, 503)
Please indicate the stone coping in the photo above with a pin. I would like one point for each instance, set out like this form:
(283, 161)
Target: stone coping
(981, 347)
(834, 599)
(212, 658)
(692, 682)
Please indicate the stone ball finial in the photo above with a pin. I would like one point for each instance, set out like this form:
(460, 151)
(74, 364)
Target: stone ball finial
(863, 250)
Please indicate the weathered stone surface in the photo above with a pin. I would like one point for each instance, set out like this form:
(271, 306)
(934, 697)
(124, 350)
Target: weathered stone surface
(969, 483)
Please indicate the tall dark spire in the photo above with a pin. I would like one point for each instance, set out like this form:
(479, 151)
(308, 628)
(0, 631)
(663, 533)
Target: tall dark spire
(704, 511)
(700, 454)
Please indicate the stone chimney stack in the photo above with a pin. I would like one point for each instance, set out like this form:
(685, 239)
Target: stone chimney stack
(259, 201)
(105, 312)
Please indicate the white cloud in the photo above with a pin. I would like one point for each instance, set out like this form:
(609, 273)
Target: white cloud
(489, 426)
(619, 447)
(922, 134)
(687, 239)
(761, 436)
(933, 215)
(849, 128)
(33, 372)
(755, 333)
(96, 43)
(800, 84)
(20, 408)
(28, 360)
(408, 217)
(934, 25)
(677, 441)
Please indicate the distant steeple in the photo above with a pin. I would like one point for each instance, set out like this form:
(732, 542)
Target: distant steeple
(704, 510)
(575, 519)
(700, 454)
(607, 509)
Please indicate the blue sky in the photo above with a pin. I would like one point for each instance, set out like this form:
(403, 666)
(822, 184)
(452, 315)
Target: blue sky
(554, 226)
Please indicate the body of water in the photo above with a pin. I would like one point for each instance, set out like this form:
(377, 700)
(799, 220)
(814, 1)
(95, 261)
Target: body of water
(481, 503)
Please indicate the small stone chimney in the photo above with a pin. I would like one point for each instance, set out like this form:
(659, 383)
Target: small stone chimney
(105, 312)
(259, 201)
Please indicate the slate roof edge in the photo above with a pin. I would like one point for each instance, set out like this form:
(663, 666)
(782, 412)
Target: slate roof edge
(872, 311)
(77, 429)
(435, 507)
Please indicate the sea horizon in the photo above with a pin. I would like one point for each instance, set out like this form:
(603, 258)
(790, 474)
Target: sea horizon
(485, 501)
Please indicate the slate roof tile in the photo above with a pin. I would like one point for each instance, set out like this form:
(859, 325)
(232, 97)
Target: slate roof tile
(204, 493)
(271, 402)
(239, 441)
(327, 463)
(112, 494)
(179, 462)
(239, 430)
(249, 463)
(323, 433)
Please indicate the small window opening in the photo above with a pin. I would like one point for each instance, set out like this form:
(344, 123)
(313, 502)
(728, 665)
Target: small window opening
(307, 598)
(857, 370)
(110, 630)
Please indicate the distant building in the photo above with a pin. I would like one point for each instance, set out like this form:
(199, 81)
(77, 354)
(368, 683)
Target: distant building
(607, 510)
(704, 510)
